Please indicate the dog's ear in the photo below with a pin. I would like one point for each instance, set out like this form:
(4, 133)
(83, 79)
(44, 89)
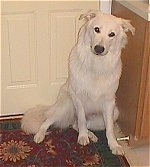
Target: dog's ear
(88, 15)
(126, 25)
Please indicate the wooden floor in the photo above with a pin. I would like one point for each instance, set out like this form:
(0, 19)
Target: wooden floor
(137, 157)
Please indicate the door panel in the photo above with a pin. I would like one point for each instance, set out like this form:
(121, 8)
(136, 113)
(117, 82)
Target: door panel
(36, 41)
(60, 33)
(19, 49)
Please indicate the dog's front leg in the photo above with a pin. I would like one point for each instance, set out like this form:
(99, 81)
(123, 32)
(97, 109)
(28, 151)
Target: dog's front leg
(83, 138)
(108, 114)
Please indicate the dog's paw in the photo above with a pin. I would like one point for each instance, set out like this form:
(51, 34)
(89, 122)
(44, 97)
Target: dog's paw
(83, 140)
(92, 136)
(117, 150)
(39, 137)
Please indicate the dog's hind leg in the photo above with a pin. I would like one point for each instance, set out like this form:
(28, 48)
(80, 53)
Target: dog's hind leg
(61, 115)
(50, 119)
(40, 135)
(92, 136)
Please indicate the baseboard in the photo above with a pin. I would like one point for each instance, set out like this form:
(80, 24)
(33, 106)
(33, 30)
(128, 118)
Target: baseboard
(11, 116)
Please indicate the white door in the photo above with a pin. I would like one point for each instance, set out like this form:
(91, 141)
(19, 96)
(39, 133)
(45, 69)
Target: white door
(36, 40)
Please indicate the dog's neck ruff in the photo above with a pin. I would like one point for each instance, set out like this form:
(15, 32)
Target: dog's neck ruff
(91, 62)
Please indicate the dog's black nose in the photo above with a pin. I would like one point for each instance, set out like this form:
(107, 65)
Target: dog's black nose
(99, 49)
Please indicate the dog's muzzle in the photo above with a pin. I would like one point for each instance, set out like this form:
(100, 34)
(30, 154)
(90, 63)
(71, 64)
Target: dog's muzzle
(99, 50)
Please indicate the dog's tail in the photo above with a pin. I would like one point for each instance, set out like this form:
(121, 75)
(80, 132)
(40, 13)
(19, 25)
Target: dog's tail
(33, 119)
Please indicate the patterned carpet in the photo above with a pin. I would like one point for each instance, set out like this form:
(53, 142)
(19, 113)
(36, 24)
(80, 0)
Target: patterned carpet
(59, 149)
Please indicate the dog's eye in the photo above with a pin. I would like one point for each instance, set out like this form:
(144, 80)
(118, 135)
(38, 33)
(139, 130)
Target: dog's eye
(96, 29)
(112, 34)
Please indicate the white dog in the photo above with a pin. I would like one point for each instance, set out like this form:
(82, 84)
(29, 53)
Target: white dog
(87, 100)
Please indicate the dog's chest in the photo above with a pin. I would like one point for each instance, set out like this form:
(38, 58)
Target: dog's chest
(95, 86)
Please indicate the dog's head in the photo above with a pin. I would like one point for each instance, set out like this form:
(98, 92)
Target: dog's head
(104, 33)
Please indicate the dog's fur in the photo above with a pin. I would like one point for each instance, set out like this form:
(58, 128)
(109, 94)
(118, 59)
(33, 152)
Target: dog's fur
(87, 100)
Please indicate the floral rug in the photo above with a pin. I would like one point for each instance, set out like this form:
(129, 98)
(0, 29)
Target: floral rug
(59, 149)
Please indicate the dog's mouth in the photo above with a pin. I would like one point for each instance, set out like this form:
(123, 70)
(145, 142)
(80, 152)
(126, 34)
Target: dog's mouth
(101, 54)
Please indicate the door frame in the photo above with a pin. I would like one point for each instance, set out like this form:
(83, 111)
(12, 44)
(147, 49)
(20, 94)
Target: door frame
(105, 6)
